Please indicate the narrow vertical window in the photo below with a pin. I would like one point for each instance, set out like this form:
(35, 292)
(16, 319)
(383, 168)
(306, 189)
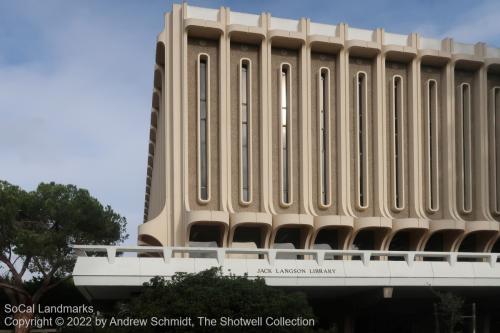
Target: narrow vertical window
(324, 135)
(432, 146)
(495, 149)
(245, 142)
(203, 128)
(398, 143)
(361, 140)
(464, 148)
(285, 134)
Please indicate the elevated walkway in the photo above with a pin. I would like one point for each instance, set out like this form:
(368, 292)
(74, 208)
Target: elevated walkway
(107, 272)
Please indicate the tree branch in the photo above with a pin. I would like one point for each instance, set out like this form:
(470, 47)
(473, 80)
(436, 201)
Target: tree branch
(25, 266)
(38, 295)
(40, 267)
(46, 284)
(13, 270)
(11, 287)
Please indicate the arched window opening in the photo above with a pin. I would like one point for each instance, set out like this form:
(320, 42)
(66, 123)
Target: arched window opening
(496, 248)
(328, 239)
(469, 244)
(203, 235)
(398, 144)
(203, 128)
(432, 146)
(252, 236)
(401, 241)
(290, 238)
(245, 133)
(495, 150)
(324, 136)
(206, 235)
(464, 133)
(285, 134)
(436, 243)
(364, 240)
(160, 54)
(361, 139)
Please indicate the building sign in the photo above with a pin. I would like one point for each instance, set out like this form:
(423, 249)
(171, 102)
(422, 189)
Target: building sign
(295, 271)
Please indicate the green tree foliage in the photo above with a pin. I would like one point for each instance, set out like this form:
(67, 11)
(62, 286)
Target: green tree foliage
(450, 312)
(213, 295)
(37, 230)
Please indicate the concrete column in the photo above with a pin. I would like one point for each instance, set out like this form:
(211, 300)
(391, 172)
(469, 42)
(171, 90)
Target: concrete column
(225, 106)
(179, 123)
(265, 119)
(305, 148)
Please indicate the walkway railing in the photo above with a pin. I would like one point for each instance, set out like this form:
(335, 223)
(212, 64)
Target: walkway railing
(221, 254)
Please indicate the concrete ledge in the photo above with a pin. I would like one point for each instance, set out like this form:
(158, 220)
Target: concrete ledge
(207, 216)
(467, 61)
(203, 28)
(371, 222)
(493, 64)
(333, 221)
(399, 53)
(409, 223)
(247, 34)
(283, 38)
(473, 226)
(439, 225)
(362, 48)
(250, 217)
(434, 57)
(282, 220)
(325, 44)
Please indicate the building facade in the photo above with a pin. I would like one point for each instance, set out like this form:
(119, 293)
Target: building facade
(277, 133)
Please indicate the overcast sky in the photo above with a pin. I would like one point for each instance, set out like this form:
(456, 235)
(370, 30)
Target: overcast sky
(76, 80)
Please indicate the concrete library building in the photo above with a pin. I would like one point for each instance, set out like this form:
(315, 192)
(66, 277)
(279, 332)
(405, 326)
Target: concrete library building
(316, 156)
